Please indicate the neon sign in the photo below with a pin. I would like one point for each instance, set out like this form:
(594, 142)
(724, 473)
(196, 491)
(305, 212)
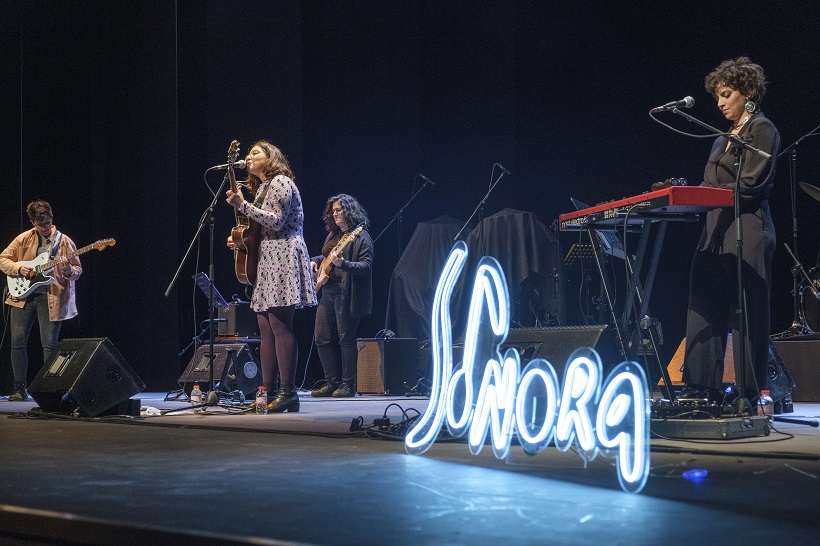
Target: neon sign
(489, 393)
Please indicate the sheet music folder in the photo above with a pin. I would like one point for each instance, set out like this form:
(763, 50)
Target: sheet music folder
(203, 282)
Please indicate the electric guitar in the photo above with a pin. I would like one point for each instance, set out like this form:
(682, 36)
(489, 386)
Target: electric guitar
(327, 265)
(20, 287)
(245, 235)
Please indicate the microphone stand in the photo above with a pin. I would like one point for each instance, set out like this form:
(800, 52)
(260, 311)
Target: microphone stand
(399, 216)
(480, 206)
(212, 398)
(739, 145)
(799, 326)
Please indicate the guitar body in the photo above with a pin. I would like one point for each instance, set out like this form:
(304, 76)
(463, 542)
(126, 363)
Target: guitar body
(327, 264)
(20, 287)
(245, 237)
(253, 236)
(238, 236)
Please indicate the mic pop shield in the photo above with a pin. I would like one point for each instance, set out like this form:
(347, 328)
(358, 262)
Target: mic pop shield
(685, 102)
(236, 165)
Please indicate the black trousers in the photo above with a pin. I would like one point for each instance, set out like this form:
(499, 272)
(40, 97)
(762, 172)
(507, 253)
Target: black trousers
(713, 299)
(336, 337)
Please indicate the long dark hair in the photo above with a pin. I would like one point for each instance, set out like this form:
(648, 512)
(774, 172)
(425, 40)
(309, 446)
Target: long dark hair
(354, 213)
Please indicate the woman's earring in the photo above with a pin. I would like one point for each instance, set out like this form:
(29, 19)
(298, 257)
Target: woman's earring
(751, 106)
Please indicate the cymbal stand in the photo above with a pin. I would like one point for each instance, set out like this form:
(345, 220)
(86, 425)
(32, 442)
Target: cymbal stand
(799, 326)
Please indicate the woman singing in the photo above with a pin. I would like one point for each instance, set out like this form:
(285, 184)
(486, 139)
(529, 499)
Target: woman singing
(283, 282)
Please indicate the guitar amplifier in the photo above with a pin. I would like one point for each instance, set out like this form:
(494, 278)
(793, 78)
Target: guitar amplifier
(240, 321)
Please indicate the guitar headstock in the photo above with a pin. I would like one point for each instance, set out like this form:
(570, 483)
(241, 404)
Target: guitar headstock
(103, 243)
(233, 152)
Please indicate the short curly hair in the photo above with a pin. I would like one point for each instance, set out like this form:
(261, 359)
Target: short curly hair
(740, 74)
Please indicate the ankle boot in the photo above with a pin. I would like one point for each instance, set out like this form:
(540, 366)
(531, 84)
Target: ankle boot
(20, 393)
(286, 400)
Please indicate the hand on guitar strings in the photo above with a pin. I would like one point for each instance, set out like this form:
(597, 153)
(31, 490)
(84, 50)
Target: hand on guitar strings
(336, 258)
(235, 199)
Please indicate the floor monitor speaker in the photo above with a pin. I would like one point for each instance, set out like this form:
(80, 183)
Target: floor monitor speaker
(236, 368)
(86, 374)
(387, 366)
(555, 344)
(802, 355)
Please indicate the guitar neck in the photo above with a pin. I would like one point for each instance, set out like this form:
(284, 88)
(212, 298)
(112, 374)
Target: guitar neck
(50, 264)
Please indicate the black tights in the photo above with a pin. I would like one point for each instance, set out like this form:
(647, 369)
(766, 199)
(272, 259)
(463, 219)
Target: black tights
(278, 350)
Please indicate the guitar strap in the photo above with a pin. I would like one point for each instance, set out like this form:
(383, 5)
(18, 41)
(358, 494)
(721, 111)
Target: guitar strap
(260, 198)
(55, 246)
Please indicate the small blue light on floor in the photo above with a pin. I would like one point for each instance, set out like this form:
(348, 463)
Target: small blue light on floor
(695, 474)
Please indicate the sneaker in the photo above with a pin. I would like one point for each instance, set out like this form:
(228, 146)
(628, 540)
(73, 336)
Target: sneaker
(20, 395)
(324, 392)
(343, 391)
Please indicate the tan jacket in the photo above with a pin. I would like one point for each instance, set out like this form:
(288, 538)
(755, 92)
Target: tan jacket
(61, 300)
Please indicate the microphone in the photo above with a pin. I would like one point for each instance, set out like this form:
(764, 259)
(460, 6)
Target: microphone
(426, 180)
(503, 169)
(685, 102)
(237, 165)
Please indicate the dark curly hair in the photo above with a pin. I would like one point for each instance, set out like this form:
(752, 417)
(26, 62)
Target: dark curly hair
(740, 74)
(276, 164)
(353, 211)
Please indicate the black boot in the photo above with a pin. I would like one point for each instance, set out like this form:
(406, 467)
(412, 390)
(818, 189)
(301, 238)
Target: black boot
(20, 393)
(286, 400)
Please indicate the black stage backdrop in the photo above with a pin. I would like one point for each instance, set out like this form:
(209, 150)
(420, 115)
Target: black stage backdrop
(112, 112)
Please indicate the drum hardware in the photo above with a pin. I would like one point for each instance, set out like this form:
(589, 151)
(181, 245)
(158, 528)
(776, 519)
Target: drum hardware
(805, 292)
(814, 191)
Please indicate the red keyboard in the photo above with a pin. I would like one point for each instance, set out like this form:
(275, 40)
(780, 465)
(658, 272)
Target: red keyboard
(672, 203)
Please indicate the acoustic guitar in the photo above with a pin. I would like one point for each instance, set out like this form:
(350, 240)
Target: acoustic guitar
(246, 234)
(20, 287)
(327, 265)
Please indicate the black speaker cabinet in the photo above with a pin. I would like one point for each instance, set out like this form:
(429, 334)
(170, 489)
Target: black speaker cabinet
(553, 344)
(89, 374)
(802, 355)
(556, 343)
(236, 368)
(387, 366)
(240, 320)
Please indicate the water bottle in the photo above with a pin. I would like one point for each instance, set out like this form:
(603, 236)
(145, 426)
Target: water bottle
(196, 398)
(261, 400)
(765, 404)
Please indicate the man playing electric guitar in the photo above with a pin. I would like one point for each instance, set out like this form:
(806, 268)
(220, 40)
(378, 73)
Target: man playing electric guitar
(49, 304)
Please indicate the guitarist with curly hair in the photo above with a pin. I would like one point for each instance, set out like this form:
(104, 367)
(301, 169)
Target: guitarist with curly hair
(344, 277)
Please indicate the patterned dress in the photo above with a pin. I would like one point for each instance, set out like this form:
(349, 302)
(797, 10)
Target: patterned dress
(283, 276)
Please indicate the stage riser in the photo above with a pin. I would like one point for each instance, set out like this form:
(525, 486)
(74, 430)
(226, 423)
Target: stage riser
(802, 359)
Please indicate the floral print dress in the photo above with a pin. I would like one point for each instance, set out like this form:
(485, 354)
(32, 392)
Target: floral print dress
(283, 274)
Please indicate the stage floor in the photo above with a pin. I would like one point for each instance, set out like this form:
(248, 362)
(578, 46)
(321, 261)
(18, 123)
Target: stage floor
(305, 478)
